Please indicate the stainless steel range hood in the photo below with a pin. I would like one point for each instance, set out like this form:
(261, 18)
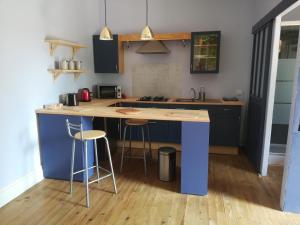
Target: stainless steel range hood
(153, 47)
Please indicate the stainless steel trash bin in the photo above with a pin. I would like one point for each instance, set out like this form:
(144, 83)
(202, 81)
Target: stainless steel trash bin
(166, 163)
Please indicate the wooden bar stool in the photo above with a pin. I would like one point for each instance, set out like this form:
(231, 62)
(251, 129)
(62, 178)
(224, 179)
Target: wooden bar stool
(136, 123)
(85, 136)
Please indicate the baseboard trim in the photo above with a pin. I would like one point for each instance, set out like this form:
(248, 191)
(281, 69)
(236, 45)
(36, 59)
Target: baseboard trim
(19, 186)
(276, 158)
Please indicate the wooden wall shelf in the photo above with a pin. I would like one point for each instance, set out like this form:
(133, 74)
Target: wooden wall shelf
(181, 36)
(54, 43)
(57, 72)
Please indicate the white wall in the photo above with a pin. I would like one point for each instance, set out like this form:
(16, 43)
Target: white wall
(233, 17)
(25, 83)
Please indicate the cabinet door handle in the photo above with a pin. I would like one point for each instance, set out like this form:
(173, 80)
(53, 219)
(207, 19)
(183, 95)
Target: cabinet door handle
(117, 67)
(227, 110)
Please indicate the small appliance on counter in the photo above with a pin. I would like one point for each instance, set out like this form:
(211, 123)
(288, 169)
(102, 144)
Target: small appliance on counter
(84, 95)
(63, 98)
(109, 91)
(69, 99)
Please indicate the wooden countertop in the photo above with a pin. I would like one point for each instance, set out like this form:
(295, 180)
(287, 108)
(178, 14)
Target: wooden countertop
(144, 113)
(173, 102)
(100, 108)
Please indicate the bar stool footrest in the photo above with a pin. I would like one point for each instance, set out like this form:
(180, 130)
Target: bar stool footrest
(100, 178)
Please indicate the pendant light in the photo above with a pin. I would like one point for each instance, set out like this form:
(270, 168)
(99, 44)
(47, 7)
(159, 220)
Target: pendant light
(106, 34)
(147, 33)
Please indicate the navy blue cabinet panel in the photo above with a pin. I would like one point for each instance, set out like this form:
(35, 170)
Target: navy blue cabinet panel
(226, 125)
(128, 104)
(106, 58)
(56, 145)
(159, 130)
(111, 125)
(175, 132)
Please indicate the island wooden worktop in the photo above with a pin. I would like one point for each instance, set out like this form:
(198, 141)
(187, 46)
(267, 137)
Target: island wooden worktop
(194, 137)
(100, 108)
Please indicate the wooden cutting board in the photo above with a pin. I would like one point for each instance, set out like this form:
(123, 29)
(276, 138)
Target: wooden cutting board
(128, 111)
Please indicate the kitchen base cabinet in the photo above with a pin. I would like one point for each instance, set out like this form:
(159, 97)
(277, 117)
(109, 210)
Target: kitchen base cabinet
(56, 146)
(224, 124)
(111, 127)
(224, 130)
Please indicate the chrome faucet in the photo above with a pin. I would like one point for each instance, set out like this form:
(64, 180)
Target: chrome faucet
(194, 93)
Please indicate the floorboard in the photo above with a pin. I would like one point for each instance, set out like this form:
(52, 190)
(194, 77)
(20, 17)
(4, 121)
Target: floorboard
(237, 196)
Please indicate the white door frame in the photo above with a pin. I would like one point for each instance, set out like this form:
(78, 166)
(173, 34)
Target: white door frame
(271, 91)
(291, 128)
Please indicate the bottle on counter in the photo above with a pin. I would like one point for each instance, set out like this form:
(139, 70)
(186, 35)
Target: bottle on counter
(202, 94)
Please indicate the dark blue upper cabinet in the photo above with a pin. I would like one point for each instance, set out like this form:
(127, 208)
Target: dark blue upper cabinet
(205, 52)
(106, 57)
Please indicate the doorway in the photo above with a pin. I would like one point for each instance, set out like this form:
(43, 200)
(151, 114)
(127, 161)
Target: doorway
(289, 38)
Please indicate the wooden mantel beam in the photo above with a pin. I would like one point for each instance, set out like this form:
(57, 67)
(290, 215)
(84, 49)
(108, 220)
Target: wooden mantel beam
(182, 36)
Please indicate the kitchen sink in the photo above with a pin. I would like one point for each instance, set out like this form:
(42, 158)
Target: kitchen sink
(213, 101)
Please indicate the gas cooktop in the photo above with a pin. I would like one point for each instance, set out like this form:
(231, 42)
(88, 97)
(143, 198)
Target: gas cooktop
(153, 98)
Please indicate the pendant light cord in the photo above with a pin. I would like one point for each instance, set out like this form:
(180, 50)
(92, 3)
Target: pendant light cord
(105, 11)
(147, 12)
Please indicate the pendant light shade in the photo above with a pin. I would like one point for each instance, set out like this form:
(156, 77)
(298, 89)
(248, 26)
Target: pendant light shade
(105, 34)
(147, 33)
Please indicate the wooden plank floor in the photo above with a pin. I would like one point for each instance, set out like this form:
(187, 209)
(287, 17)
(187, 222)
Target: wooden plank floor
(237, 196)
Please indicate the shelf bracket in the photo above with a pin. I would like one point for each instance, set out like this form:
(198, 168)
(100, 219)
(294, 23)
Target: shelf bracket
(74, 51)
(56, 74)
(76, 76)
(52, 48)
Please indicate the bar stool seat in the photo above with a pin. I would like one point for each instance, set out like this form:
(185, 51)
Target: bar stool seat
(136, 122)
(90, 135)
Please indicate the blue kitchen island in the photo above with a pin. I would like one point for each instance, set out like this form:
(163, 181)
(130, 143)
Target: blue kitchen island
(55, 145)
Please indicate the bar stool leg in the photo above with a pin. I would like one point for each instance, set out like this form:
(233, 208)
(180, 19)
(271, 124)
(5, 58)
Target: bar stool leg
(97, 162)
(123, 148)
(86, 176)
(111, 165)
(149, 141)
(145, 160)
(72, 166)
